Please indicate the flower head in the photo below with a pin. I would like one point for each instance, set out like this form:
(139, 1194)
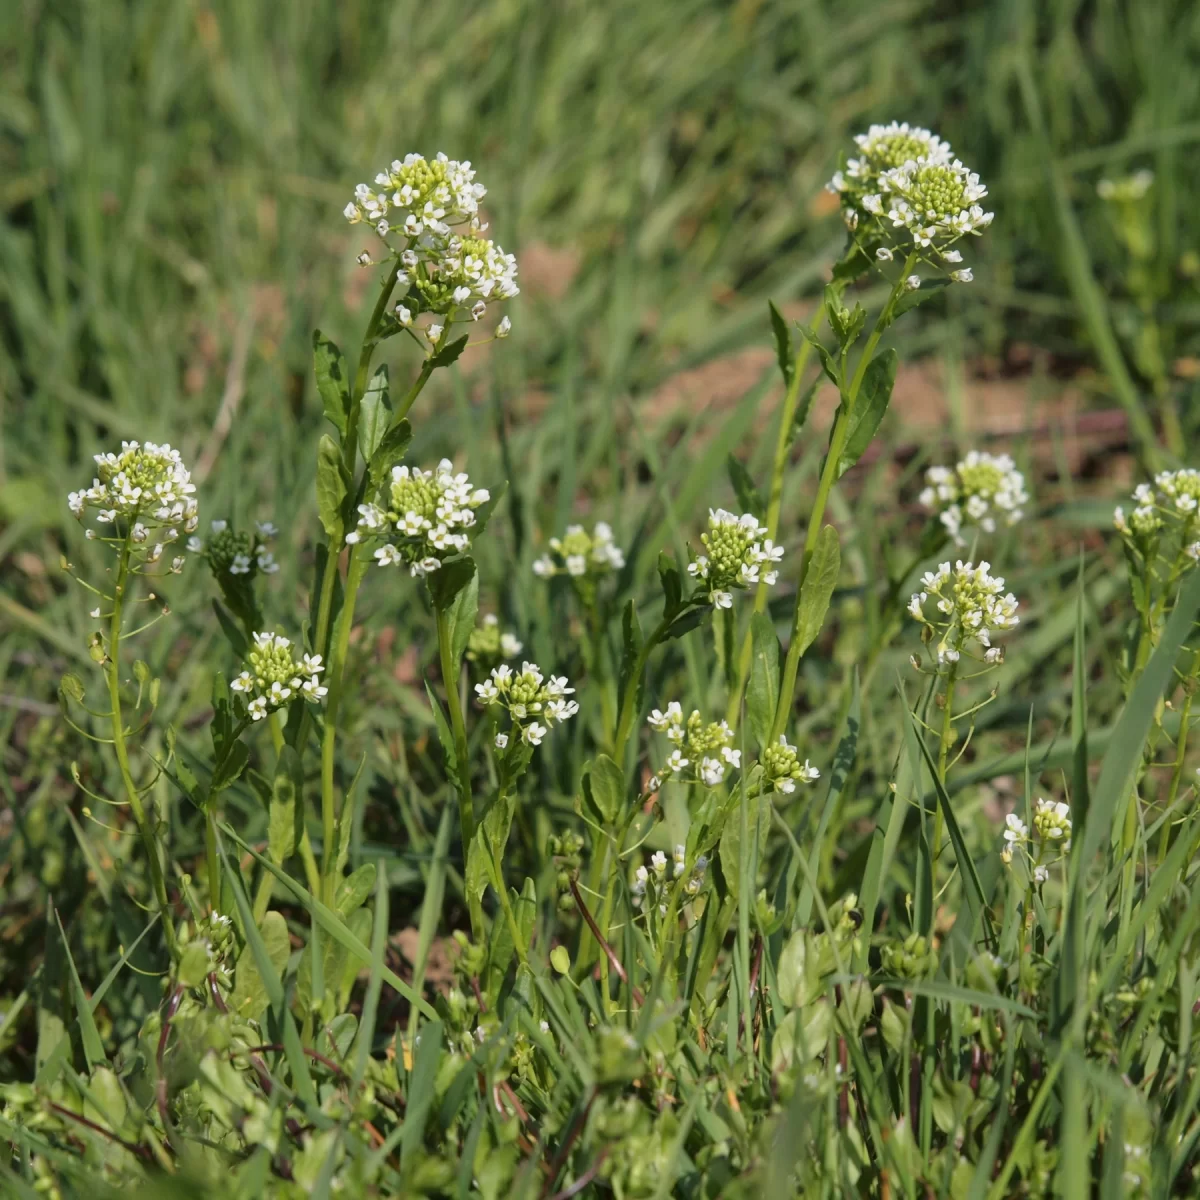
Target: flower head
(738, 554)
(782, 768)
(534, 704)
(487, 645)
(274, 674)
(882, 148)
(706, 748)
(961, 605)
(982, 491)
(429, 514)
(145, 487)
(581, 555)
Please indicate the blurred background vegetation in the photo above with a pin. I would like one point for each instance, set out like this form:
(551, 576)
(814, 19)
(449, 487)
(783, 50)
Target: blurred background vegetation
(172, 174)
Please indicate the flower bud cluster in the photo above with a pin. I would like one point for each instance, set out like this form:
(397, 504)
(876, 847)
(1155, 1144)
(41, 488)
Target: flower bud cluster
(427, 213)
(912, 958)
(487, 646)
(241, 555)
(530, 700)
(738, 554)
(580, 554)
(907, 179)
(148, 489)
(274, 675)
(1168, 509)
(428, 514)
(969, 605)
(1049, 843)
(653, 884)
(782, 768)
(703, 753)
(981, 491)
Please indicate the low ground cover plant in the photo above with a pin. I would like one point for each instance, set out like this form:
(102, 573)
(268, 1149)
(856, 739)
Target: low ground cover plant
(707, 923)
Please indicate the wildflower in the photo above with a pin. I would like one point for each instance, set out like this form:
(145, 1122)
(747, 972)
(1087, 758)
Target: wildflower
(737, 554)
(419, 197)
(1052, 820)
(912, 283)
(706, 748)
(533, 704)
(980, 491)
(658, 862)
(430, 511)
(488, 645)
(274, 675)
(504, 328)
(969, 605)
(963, 276)
(501, 741)
(882, 148)
(146, 486)
(782, 769)
(936, 202)
(581, 555)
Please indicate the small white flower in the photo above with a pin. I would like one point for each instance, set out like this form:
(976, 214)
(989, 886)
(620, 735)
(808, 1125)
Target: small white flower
(387, 555)
(501, 741)
(195, 545)
(510, 646)
(240, 565)
(963, 276)
(676, 762)
(534, 733)
(487, 692)
(313, 690)
(504, 328)
(266, 530)
(95, 613)
(403, 315)
(434, 333)
(912, 283)
(884, 254)
(177, 564)
(267, 563)
(1015, 829)
(658, 862)
(576, 565)
(722, 599)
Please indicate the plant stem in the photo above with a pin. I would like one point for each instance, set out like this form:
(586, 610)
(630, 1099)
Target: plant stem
(462, 766)
(829, 474)
(946, 741)
(214, 863)
(112, 674)
(337, 664)
(783, 442)
(350, 441)
(633, 686)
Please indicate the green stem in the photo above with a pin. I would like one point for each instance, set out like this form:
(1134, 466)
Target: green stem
(837, 444)
(113, 678)
(462, 766)
(599, 667)
(945, 742)
(363, 374)
(337, 665)
(783, 442)
(214, 863)
(633, 686)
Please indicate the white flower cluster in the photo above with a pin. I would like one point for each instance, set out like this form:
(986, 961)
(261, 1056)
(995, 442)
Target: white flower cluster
(530, 700)
(970, 604)
(487, 644)
(237, 554)
(906, 178)
(1172, 503)
(274, 675)
(579, 553)
(446, 266)
(1051, 841)
(738, 555)
(706, 748)
(980, 491)
(782, 768)
(428, 513)
(147, 487)
(653, 882)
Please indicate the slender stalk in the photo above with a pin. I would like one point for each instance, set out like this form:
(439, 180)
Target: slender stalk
(337, 665)
(944, 744)
(628, 701)
(112, 674)
(363, 374)
(462, 766)
(210, 854)
(783, 441)
(837, 444)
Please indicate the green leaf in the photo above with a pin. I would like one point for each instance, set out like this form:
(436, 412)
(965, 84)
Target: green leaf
(854, 264)
(743, 487)
(462, 614)
(285, 824)
(870, 407)
(483, 514)
(331, 488)
(687, 620)
(93, 1047)
(828, 363)
(374, 414)
(450, 579)
(422, 1088)
(762, 689)
(604, 786)
(252, 993)
(233, 635)
(449, 353)
(817, 590)
(232, 764)
(906, 300)
(391, 449)
(783, 344)
(479, 870)
(333, 382)
(668, 575)
(354, 889)
(631, 648)
(441, 725)
(370, 1007)
(803, 408)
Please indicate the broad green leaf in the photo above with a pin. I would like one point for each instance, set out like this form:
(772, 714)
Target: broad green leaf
(93, 1047)
(450, 352)
(462, 614)
(233, 635)
(391, 449)
(869, 408)
(331, 488)
(828, 362)
(604, 785)
(252, 993)
(906, 300)
(354, 889)
(285, 824)
(783, 344)
(668, 576)
(374, 414)
(762, 688)
(232, 764)
(817, 590)
(743, 487)
(333, 382)
(453, 575)
(422, 1089)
